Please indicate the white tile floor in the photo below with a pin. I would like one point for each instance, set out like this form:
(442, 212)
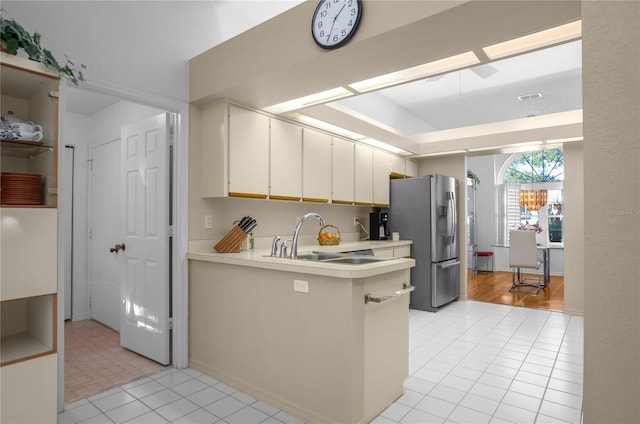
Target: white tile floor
(470, 362)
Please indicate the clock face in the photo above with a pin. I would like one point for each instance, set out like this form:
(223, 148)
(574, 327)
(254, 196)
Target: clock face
(335, 21)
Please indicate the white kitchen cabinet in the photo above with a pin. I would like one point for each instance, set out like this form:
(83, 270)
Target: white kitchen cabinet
(411, 168)
(316, 166)
(342, 172)
(403, 168)
(363, 175)
(381, 174)
(285, 161)
(393, 252)
(248, 153)
(234, 159)
(398, 166)
(214, 166)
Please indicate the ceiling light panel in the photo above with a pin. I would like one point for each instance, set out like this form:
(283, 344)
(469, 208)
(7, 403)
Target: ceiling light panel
(316, 123)
(310, 100)
(417, 72)
(384, 146)
(562, 33)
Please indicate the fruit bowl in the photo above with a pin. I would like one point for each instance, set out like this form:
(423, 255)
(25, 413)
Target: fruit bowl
(328, 238)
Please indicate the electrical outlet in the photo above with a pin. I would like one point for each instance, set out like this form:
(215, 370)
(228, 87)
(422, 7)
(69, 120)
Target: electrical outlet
(208, 222)
(301, 286)
(355, 221)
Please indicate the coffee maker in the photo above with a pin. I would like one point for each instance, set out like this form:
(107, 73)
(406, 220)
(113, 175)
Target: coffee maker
(379, 225)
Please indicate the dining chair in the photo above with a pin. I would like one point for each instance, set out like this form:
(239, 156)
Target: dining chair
(523, 253)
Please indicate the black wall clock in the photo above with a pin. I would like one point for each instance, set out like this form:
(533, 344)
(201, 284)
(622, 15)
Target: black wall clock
(335, 21)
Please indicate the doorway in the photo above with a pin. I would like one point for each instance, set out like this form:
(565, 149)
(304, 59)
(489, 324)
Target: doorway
(493, 208)
(93, 129)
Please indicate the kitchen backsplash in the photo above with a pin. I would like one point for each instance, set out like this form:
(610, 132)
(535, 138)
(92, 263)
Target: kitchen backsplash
(274, 217)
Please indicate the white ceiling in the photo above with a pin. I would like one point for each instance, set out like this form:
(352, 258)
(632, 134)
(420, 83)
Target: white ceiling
(486, 93)
(482, 94)
(87, 102)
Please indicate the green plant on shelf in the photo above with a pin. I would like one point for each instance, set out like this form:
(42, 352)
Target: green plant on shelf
(16, 39)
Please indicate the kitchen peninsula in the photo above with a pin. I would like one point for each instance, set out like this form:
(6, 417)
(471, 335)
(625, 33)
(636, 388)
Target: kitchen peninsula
(298, 334)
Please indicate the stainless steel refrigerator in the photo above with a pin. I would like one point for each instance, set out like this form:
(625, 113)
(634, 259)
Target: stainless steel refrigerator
(424, 210)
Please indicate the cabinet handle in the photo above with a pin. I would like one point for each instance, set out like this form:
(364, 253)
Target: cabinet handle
(406, 288)
(116, 248)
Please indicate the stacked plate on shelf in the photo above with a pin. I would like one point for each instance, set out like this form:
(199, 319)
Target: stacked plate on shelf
(19, 188)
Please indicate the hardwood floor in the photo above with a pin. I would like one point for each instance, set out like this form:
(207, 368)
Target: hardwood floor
(493, 287)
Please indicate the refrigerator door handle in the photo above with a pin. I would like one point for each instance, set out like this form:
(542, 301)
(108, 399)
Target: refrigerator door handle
(454, 212)
(449, 265)
(451, 205)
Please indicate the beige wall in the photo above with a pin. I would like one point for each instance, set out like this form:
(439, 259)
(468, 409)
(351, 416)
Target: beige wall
(611, 100)
(574, 229)
(453, 166)
(611, 46)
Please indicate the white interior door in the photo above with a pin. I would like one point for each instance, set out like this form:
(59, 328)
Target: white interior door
(145, 210)
(105, 232)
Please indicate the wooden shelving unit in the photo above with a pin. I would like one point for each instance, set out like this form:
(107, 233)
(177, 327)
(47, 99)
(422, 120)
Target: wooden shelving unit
(29, 234)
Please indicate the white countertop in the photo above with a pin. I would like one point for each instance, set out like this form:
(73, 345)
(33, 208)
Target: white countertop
(259, 258)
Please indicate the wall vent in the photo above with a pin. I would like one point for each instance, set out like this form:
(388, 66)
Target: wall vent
(531, 96)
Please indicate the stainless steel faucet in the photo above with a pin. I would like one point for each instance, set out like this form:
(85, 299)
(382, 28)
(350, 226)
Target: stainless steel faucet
(294, 243)
(283, 248)
(274, 246)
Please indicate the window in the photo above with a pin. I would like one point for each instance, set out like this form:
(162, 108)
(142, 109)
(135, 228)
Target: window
(539, 170)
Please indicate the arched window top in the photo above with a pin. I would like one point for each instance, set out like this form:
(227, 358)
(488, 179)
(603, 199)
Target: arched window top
(534, 167)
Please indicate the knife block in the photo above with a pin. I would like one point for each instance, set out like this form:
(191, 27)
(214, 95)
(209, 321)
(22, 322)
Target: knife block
(231, 242)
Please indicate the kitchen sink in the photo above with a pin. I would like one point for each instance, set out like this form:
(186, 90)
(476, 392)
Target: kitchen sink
(338, 258)
(318, 256)
(355, 260)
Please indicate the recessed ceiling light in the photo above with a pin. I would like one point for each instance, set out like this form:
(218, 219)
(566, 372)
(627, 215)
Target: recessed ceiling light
(559, 34)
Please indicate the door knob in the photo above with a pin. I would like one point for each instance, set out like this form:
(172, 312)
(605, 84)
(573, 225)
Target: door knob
(116, 248)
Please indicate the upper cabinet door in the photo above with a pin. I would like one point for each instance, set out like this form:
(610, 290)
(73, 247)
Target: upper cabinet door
(398, 166)
(411, 168)
(381, 173)
(363, 175)
(342, 172)
(286, 161)
(316, 166)
(401, 167)
(248, 153)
